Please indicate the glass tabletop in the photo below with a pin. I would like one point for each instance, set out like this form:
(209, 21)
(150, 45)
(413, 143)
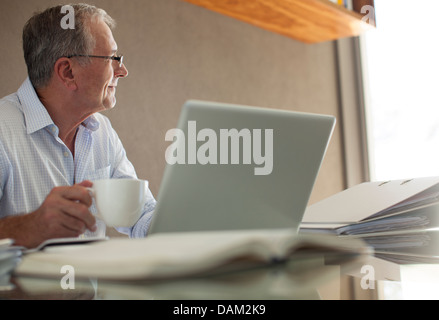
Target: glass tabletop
(315, 277)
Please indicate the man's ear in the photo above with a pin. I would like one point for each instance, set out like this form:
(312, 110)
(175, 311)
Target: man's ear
(64, 73)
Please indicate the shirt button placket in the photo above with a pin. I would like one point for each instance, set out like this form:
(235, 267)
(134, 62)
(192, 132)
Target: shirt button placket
(69, 165)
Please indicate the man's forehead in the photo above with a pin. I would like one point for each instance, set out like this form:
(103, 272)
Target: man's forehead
(103, 35)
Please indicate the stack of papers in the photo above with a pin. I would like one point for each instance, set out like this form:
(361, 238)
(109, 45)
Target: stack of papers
(9, 258)
(399, 219)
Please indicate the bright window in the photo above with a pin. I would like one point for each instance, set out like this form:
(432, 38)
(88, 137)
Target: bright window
(401, 65)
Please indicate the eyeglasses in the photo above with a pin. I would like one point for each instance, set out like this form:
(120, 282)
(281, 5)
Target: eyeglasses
(115, 58)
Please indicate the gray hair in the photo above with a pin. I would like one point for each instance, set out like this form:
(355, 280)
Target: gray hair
(45, 41)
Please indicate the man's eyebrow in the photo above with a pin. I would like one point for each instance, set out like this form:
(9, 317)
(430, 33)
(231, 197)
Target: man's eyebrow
(113, 52)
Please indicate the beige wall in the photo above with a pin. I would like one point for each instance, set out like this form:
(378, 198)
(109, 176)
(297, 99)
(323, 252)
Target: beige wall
(176, 51)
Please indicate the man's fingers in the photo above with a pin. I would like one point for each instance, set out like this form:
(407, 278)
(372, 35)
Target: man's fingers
(74, 202)
(75, 193)
(80, 212)
(86, 184)
(73, 224)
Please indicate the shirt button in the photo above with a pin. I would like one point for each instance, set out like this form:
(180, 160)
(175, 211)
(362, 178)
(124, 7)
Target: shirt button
(66, 154)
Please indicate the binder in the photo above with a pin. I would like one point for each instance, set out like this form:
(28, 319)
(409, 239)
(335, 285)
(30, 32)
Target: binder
(399, 219)
(374, 202)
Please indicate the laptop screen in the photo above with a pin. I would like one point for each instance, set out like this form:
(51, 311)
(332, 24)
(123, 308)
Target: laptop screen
(234, 167)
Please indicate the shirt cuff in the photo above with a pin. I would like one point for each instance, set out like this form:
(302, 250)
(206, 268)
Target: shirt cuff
(140, 229)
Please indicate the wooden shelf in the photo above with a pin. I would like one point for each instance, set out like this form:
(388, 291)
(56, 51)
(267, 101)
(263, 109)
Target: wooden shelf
(309, 21)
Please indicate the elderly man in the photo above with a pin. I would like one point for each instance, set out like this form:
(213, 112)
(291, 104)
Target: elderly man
(53, 141)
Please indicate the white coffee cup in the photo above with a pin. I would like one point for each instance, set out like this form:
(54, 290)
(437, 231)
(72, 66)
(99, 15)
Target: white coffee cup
(119, 202)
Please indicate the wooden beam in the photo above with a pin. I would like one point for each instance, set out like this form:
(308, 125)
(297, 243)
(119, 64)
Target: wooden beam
(309, 21)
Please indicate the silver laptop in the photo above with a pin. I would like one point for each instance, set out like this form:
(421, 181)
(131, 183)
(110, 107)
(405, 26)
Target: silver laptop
(233, 167)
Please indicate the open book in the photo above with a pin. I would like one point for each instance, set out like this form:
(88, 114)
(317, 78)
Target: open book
(376, 207)
(181, 254)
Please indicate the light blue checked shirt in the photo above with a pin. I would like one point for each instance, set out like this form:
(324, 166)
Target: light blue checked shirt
(34, 160)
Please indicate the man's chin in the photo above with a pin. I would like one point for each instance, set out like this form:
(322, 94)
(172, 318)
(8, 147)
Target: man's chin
(108, 105)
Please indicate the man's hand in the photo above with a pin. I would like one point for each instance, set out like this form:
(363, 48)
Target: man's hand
(64, 213)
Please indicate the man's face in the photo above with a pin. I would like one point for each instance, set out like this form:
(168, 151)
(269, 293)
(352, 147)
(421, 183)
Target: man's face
(97, 81)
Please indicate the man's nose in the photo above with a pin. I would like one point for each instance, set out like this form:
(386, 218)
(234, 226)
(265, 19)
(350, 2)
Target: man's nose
(121, 71)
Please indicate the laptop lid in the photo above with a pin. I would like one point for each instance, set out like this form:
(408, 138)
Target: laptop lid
(233, 167)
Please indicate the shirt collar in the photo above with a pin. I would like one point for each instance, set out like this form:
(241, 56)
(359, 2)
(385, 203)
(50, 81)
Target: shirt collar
(91, 123)
(36, 115)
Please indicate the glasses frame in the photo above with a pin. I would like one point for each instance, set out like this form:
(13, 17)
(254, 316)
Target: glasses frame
(115, 58)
